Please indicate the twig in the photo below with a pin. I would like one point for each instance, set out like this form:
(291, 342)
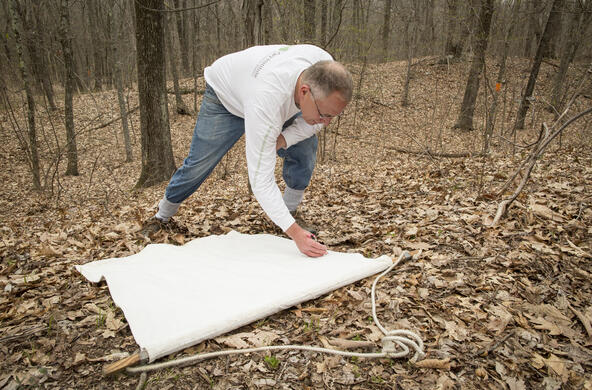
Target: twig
(27, 332)
(486, 351)
(584, 253)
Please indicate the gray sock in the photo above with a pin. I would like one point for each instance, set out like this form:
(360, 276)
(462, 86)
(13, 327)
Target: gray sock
(292, 198)
(166, 209)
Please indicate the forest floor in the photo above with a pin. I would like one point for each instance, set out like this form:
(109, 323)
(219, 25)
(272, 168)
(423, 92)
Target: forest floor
(505, 307)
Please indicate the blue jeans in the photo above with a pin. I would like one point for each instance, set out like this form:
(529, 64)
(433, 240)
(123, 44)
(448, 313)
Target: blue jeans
(216, 131)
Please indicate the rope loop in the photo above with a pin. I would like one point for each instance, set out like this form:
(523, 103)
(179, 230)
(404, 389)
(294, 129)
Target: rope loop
(396, 344)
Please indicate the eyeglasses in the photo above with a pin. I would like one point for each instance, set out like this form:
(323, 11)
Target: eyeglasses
(322, 116)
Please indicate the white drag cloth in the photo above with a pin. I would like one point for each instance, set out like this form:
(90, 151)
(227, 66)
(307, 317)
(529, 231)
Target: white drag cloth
(176, 296)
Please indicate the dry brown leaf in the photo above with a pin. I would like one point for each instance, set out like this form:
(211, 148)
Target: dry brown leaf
(440, 364)
(558, 367)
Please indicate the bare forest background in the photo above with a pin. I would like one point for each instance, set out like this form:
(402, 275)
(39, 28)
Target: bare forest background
(61, 48)
(469, 138)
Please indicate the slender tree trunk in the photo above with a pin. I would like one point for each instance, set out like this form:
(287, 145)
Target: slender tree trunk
(96, 44)
(386, 29)
(499, 83)
(554, 26)
(259, 37)
(357, 21)
(267, 22)
(248, 9)
(409, 37)
(252, 9)
(157, 152)
(452, 48)
(196, 59)
(179, 103)
(577, 28)
(66, 42)
(469, 25)
(428, 32)
(534, 34)
(309, 26)
(32, 153)
(118, 55)
(465, 120)
(37, 46)
(218, 31)
(534, 72)
(181, 22)
(108, 63)
(324, 10)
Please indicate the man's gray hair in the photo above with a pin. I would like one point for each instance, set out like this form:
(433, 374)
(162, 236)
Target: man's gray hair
(327, 77)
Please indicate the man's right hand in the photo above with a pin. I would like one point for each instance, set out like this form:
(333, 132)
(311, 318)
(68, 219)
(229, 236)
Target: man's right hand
(305, 241)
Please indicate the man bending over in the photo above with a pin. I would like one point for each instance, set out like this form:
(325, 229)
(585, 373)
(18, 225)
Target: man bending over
(279, 97)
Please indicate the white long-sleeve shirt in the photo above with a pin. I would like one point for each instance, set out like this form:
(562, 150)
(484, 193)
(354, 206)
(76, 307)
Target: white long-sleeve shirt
(258, 84)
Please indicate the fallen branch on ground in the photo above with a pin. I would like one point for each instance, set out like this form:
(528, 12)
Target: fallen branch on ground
(531, 161)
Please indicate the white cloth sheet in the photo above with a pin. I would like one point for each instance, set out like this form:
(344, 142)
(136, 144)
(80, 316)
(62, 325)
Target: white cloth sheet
(176, 296)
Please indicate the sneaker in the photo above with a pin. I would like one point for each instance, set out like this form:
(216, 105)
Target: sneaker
(154, 225)
(303, 224)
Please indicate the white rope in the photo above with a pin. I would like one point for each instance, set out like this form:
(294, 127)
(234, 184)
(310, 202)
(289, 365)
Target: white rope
(395, 343)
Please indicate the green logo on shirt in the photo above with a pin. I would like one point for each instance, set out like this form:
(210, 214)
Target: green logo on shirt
(284, 48)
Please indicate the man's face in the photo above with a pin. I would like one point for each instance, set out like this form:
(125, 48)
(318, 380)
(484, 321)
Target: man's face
(320, 110)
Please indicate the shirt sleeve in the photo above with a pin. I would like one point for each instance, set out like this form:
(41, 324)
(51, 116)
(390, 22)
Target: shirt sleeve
(299, 130)
(262, 127)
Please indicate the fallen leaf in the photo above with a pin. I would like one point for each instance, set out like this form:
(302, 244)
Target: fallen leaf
(440, 364)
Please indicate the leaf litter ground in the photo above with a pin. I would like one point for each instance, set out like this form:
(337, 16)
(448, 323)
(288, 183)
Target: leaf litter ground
(504, 307)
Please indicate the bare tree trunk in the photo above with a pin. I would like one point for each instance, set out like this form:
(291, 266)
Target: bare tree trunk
(386, 29)
(336, 20)
(465, 120)
(324, 10)
(554, 26)
(218, 32)
(181, 22)
(96, 44)
(252, 19)
(428, 28)
(66, 42)
(37, 45)
(498, 83)
(157, 152)
(452, 47)
(32, 153)
(470, 24)
(267, 22)
(196, 60)
(578, 25)
(168, 31)
(118, 55)
(309, 26)
(409, 37)
(533, 7)
(534, 72)
(357, 21)
(259, 22)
